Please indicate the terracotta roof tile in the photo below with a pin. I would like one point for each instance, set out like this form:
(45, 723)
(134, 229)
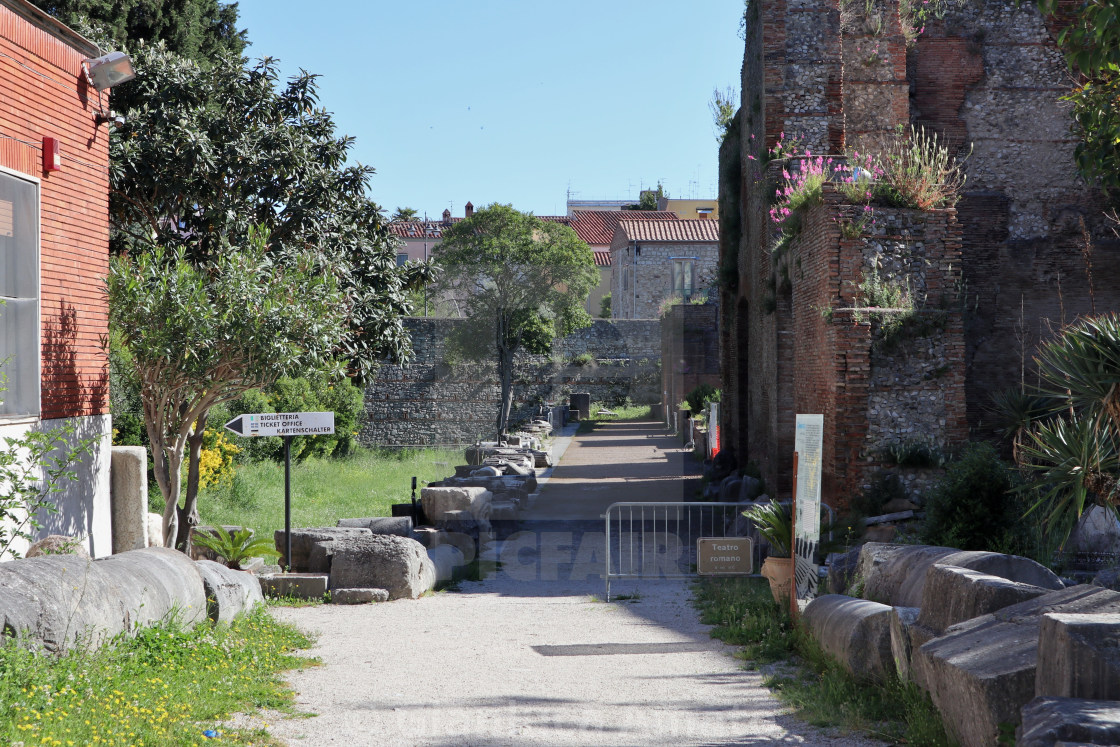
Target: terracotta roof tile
(433, 229)
(670, 230)
(596, 227)
(602, 259)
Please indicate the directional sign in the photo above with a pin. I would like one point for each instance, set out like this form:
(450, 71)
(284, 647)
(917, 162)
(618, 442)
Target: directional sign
(282, 424)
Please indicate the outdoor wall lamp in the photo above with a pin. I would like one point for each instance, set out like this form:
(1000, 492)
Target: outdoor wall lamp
(109, 70)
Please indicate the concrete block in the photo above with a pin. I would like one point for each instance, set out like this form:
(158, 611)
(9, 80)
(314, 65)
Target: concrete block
(359, 596)
(1079, 656)
(401, 526)
(1048, 722)
(854, 631)
(128, 497)
(952, 594)
(981, 672)
(298, 585)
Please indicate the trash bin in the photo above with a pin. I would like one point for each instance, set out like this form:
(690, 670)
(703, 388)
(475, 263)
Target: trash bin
(581, 404)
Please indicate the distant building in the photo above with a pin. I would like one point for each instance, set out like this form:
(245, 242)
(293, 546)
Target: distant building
(653, 260)
(691, 209)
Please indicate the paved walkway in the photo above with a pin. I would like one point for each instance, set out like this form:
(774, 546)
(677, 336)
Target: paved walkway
(530, 656)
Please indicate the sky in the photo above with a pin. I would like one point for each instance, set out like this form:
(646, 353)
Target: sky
(514, 101)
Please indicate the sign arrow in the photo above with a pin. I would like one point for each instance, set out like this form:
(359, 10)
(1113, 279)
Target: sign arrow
(236, 425)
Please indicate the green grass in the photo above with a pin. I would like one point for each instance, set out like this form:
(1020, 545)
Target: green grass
(165, 686)
(324, 490)
(821, 691)
(628, 412)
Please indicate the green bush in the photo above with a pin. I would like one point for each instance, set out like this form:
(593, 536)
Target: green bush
(699, 398)
(975, 505)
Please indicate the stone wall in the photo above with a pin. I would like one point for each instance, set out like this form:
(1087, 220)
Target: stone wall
(435, 399)
(642, 282)
(880, 378)
(689, 351)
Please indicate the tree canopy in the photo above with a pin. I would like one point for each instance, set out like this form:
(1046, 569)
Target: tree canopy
(207, 155)
(202, 333)
(201, 30)
(522, 282)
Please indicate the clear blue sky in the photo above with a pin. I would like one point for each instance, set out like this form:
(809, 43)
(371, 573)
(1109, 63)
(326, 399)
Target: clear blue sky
(514, 101)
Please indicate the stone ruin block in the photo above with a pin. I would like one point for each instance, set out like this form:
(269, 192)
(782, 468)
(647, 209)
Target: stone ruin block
(854, 631)
(981, 672)
(953, 594)
(1079, 656)
(383, 561)
(401, 526)
(312, 548)
(1049, 722)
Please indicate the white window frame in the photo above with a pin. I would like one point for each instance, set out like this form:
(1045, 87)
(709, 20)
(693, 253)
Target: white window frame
(677, 270)
(33, 401)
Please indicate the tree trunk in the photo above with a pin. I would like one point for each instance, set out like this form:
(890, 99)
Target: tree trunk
(170, 486)
(188, 514)
(505, 376)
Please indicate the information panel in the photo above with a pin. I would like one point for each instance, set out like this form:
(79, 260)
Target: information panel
(724, 556)
(282, 424)
(808, 443)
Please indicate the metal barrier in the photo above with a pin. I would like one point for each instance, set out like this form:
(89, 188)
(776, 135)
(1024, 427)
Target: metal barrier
(658, 540)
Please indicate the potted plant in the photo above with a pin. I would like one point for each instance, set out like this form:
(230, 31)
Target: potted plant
(237, 547)
(774, 524)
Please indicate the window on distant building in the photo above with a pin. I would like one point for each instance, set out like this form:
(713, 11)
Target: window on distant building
(401, 259)
(703, 213)
(19, 295)
(625, 278)
(684, 278)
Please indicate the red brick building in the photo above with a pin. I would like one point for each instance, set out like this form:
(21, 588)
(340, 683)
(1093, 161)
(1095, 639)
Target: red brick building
(54, 250)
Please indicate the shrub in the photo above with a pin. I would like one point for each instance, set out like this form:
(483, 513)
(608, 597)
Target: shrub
(975, 505)
(918, 172)
(699, 398)
(583, 360)
(605, 306)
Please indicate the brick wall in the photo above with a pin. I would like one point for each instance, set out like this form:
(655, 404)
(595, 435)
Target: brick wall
(437, 400)
(43, 93)
(690, 343)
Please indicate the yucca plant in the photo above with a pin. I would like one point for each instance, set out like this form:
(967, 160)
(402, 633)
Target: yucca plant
(1015, 411)
(237, 547)
(774, 524)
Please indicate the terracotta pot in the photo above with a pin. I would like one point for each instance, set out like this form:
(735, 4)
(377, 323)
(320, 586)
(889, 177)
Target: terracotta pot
(779, 572)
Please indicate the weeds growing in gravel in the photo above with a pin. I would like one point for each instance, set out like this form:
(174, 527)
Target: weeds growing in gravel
(821, 691)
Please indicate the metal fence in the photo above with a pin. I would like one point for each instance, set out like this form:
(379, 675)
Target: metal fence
(658, 540)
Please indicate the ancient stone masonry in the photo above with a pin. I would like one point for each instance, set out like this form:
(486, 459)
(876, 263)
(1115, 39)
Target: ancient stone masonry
(435, 399)
(986, 77)
(690, 345)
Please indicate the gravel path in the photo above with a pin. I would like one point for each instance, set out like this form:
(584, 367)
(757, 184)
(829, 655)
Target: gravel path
(530, 656)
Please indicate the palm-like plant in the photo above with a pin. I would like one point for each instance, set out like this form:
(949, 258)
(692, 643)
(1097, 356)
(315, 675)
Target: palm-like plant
(237, 547)
(1076, 451)
(774, 524)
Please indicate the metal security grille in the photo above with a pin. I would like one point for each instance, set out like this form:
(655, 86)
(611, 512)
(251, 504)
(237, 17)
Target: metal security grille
(658, 540)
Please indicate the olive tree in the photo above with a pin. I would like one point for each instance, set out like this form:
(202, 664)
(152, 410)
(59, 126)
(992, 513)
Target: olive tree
(521, 282)
(201, 334)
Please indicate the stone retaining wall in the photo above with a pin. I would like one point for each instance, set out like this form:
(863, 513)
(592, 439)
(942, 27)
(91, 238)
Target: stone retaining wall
(435, 399)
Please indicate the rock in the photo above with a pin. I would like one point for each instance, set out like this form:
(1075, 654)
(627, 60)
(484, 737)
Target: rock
(312, 548)
(128, 496)
(1108, 579)
(750, 489)
(58, 544)
(729, 489)
(428, 536)
(398, 525)
(229, 593)
(383, 561)
(842, 570)
(896, 574)
(298, 585)
(359, 596)
(488, 471)
(155, 530)
(952, 595)
(447, 559)
(854, 631)
(880, 533)
(896, 505)
(439, 501)
(1097, 531)
(1079, 656)
(1069, 721)
(63, 600)
(904, 639)
(981, 672)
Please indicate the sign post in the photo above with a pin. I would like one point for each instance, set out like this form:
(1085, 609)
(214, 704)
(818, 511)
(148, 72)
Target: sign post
(808, 445)
(285, 424)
